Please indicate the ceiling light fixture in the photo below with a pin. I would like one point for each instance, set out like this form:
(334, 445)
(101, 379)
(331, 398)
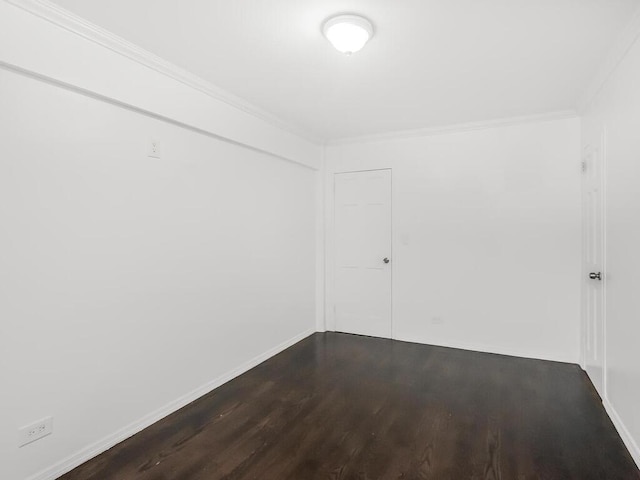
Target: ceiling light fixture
(348, 33)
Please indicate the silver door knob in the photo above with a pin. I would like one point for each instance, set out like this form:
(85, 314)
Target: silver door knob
(386, 260)
(595, 276)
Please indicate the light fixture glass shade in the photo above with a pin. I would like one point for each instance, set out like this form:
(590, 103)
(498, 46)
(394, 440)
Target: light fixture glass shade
(348, 33)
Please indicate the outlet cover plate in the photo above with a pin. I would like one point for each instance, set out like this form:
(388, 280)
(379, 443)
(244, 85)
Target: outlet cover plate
(154, 149)
(35, 431)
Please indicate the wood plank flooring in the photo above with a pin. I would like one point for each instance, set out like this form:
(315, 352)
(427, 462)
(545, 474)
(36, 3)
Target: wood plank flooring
(339, 406)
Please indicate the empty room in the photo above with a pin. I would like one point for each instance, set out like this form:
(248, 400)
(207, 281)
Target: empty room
(319, 239)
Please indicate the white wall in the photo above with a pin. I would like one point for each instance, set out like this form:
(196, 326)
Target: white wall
(126, 281)
(486, 235)
(130, 285)
(616, 109)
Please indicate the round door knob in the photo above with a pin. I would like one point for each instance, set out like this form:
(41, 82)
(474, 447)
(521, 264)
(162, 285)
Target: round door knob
(386, 260)
(595, 276)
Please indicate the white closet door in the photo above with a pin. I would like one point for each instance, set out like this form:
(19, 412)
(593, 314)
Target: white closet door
(363, 260)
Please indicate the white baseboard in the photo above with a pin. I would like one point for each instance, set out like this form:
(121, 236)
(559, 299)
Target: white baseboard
(512, 352)
(87, 453)
(628, 440)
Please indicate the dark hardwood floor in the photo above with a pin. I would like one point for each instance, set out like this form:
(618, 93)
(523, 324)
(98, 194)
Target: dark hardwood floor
(338, 406)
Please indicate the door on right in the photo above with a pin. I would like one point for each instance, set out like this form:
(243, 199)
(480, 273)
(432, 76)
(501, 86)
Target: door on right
(593, 273)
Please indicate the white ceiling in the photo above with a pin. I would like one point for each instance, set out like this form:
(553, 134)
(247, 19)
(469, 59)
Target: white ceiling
(431, 62)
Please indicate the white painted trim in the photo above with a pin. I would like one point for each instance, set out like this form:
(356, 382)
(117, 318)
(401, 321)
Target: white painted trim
(583, 268)
(476, 347)
(456, 128)
(603, 185)
(106, 443)
(628, 440)
(616, 54)
(329, 250)
(73, 23)
(321, 325)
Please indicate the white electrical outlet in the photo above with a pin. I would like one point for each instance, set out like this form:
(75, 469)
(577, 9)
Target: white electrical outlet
(154, 149)
(35, 431)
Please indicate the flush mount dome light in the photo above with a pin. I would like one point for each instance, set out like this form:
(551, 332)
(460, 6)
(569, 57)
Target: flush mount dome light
(348, 33)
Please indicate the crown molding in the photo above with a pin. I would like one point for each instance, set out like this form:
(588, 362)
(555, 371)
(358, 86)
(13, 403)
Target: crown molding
(73, 23)
(456, 128)
(67, 20)
(621, 47)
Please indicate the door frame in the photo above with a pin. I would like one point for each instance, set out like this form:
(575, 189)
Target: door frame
(330, 245)
(601, 142)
